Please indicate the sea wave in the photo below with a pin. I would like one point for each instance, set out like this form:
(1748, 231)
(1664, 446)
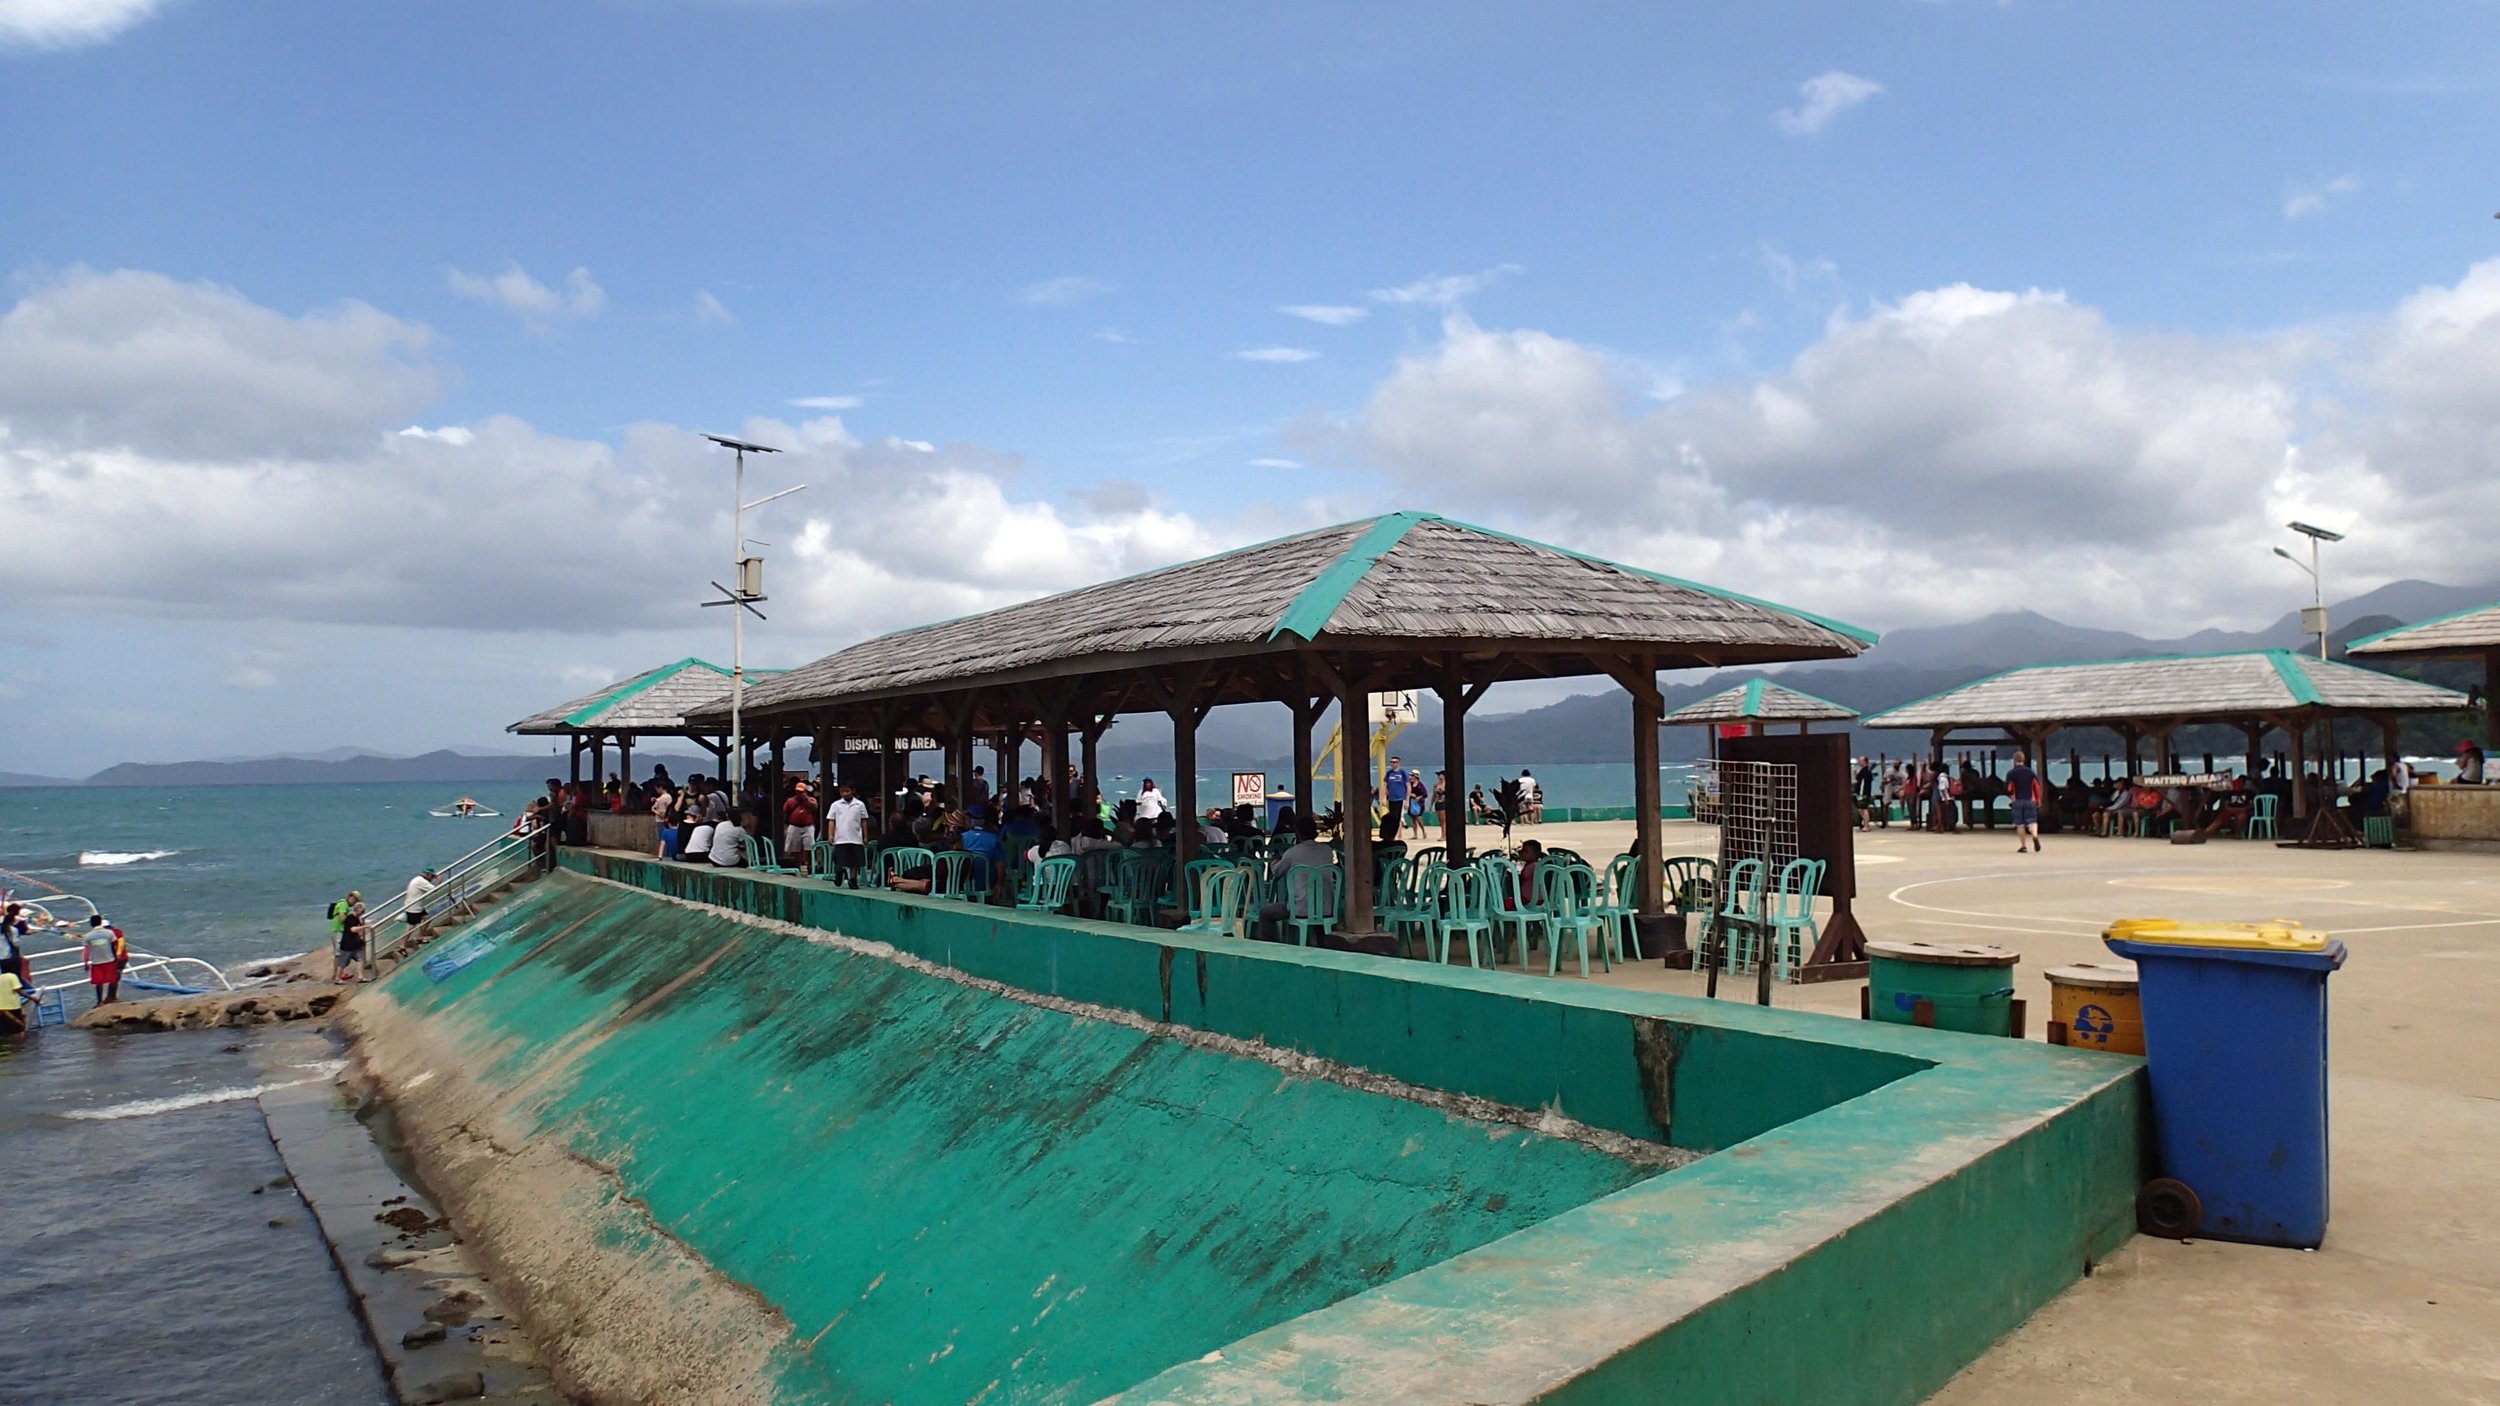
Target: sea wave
(142, 1108)
(97, 858)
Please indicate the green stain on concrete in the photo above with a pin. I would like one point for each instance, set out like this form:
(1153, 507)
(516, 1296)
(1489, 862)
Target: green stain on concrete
(941, 1187)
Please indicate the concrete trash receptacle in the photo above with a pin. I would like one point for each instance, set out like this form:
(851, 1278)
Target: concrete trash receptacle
(1967, 986)
(2095, 1006)
(2235, 1044)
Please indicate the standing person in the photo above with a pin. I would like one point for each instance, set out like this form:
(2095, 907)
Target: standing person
(977, 790)
(13, 994)
(1441, 800)
(349, 964)
(412, 910)
(1942, 796)
(848, 817)
(105, 952)
(1531, 798)
(1150, 803)
(2022, 798)
(798, 825)
(1394, 790)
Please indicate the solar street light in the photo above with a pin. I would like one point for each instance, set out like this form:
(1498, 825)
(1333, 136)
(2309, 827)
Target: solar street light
(748, 572)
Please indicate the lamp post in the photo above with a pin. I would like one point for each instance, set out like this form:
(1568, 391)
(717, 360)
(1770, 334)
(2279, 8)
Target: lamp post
(748, 572)
(2313, 619)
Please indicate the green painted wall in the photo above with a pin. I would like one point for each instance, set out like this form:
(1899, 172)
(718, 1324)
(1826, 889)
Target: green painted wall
(941, 1187)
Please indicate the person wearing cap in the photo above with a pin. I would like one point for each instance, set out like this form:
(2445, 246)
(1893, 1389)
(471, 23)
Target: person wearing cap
(348, 921)
(798, 825)
(106, 950)
(2469, 763)
(413, 908)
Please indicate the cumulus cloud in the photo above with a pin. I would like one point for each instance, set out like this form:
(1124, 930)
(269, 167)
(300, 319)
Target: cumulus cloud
(829, 402)
(215, 459)
(2312, 199)
(537, 305)
(1277, 355)
(1963, 449)
(1825, 96)
(1067, 290)
(1443, 290)
(1326, 314)
(63, 24)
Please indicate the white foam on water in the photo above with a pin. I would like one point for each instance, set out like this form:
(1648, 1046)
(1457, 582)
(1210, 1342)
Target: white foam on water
(148, 1107)
(94, 858)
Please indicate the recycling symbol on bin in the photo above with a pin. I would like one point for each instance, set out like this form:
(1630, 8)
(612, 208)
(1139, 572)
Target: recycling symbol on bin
(2092, 1023)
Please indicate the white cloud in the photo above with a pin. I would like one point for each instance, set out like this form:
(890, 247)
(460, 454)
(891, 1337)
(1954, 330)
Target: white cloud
(1114, 336)
(830, 402)
(1443, 290)
(448, 434)
(1792, 274)
(63, 24)
(1963, 450)
(709, 312)
(1326, 314)
(2309, 200)
(1826, 96)
(1277, 355)
(537, 305)
(1067, 290)
(1276, 463)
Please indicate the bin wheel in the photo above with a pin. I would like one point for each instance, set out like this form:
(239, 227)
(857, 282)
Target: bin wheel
(2166, 1207)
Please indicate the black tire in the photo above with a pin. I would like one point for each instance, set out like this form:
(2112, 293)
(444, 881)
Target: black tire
(2168, 1208)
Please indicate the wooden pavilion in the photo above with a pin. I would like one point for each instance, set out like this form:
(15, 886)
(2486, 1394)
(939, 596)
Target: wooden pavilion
(1756, 703)
(658, 702)
(2468, 634)
(2150, 699)
(1403, 601)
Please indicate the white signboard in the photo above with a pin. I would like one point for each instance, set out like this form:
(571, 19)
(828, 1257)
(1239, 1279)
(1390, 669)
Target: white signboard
(901, 744)
(1394, 707)
(1249, 788)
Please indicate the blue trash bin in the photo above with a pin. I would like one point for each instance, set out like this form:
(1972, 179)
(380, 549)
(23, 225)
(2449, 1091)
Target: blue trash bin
(2235, 1048)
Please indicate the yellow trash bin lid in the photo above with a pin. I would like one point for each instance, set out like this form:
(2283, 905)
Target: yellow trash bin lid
(2276, 935)
(2095, 976)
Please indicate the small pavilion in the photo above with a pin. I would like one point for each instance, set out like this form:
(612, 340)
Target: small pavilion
(2150, 699)
(658, 702)
(1756, 703)
(2468, 634)
(1404, 601)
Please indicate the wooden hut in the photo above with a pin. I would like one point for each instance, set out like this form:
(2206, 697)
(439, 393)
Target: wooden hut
(1756, 703)
(655, 703)
(1403, 601)
(2468, 634)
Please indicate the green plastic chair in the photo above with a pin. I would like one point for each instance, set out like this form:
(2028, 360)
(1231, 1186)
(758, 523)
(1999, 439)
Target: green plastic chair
(765, 859)
(1788, 916)
(1135, 893)
(1399, 906)
(1463, 914)
(902, 859)
(1197, 893)
(2262, 818)
(1053, 882)
(1690, 882)
(1568, 917)
(1619, 903)
(1512, 917)
(1313, 898)
(953, 877)
(1227, 898)
(1736, 926)
(820, 860)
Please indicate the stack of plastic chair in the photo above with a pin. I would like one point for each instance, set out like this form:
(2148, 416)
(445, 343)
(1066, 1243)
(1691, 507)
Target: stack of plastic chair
(1619, 903)
(1312, 895)
(1053, 881)
(1788, 917)
(1463, 915)
(1738, 926)
(1136, 891)
(1513, 918)
(1196, 896)
(1398, 906)
(1225, 899)
(1568, 891)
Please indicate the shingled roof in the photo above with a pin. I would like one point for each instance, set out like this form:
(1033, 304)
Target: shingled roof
(1404, 582)
(657, 700)
(2475, 631)
(1760, 701)
(2186, 688)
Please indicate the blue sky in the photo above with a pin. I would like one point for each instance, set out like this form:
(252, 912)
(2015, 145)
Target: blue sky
(1906, 311)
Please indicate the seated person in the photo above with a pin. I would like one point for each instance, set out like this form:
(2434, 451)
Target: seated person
(1530, 853)
(697, 848)
(729, 841)
(988, 851)
(1307, 853)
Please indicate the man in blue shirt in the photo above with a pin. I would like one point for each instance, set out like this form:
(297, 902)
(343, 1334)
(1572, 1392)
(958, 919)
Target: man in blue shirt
(2022, 797)
(989, 855)
(1393, 792)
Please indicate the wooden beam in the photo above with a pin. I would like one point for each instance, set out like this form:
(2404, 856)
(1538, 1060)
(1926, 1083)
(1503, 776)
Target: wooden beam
(1639, 678)
(1454, 701)
(1354, 793)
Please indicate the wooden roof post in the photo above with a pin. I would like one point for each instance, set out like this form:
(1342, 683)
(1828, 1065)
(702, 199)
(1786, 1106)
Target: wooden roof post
(2387, 739)
(2491, 699)
(2298, 727)
(1639, 678)
(625, 764)
(1306, 711)
(1092, 750)
(573, 773)
(1456, 699)
(1354, 794)
(820, 750)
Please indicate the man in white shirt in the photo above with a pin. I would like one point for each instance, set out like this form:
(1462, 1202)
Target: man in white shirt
(729, 843)
(413, 910)
(1150, 803)
(848, 818)
(1531, 798)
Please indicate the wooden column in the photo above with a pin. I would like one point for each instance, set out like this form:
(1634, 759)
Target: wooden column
(1007, 755)
(625, 762)
(1055, 770)
(822, 749)
(2387, 741)
(2491, 702)
(573, 772)
(1456, 699)
(1354, 794)
(598, 762)
(1305, 717)
(1647, 706)
(773, 786)
(2299, 730)
(2256, 734)
(1090, 751)
(1185, 783)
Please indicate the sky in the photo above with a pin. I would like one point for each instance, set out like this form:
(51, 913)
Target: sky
(353, 357)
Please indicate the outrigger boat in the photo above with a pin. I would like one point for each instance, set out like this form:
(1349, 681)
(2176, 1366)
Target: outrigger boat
(465, 808)
(58, 971)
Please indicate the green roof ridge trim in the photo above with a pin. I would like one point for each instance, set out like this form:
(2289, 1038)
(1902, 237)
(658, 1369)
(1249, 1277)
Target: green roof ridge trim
(2351, 645)
(2295, 676)
(644, 684)
(1840, 627)
(1753, 698)
(1312, 609)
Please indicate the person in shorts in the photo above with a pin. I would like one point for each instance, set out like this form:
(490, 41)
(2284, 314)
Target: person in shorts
(350, 957)
(848, 817)
(106, 951)
(2022, 797)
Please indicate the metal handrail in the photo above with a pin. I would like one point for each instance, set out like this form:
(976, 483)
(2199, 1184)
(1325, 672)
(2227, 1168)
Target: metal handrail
(456, 885)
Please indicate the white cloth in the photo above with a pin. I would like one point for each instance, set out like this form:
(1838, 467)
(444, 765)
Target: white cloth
(729, 844)
(700, 842)
(1150, 804)
(850, 821)
(418, 888)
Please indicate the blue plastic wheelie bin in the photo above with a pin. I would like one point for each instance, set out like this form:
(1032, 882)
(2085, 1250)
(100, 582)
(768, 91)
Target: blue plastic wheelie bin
(2235, 1048)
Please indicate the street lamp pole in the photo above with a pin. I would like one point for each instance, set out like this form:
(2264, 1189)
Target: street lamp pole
(748, 574)
(2315, 616)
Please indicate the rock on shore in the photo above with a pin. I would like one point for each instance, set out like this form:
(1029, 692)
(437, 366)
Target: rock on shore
(301, 991)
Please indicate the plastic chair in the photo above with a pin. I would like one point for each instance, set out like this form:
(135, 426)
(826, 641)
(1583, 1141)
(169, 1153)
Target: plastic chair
(953, 877)
(2262, 818)
(1788, 917)
(820, 859)
(1197, 897)
(1053, 879)
(1690, 882)
(2378, 832)
(1619, 903)
(1736, 926)
(1399, 906)
(1512, 918)
(1568, 917)
(1313, 896)
(1463, 915)
(763, 858)
(1134, 894)
(1227, 898)
(903, 859)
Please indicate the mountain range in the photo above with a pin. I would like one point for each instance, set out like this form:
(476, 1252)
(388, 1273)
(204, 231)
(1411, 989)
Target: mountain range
(1908, 664)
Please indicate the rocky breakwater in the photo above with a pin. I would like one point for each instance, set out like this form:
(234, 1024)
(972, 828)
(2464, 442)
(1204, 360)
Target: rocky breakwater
(295, 990)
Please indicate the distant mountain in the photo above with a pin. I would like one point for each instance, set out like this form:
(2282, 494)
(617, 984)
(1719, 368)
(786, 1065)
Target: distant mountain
(20, 778)
(445, 766)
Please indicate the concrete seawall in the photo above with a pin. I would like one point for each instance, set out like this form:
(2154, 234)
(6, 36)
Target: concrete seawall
(727, 1156)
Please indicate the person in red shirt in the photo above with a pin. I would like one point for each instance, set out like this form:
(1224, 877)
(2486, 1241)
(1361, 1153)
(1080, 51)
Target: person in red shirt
(798, 824)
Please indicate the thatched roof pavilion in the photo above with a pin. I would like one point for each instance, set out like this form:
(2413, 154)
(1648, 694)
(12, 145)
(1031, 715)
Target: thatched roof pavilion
(1404, 601)
(2139, 698)
(1759, 701)
(657, 702)
(2467, 634)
